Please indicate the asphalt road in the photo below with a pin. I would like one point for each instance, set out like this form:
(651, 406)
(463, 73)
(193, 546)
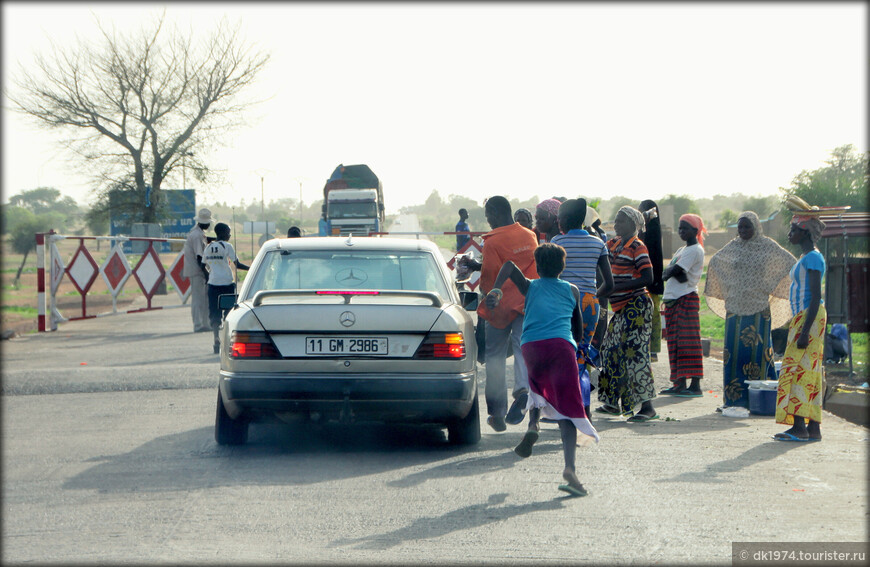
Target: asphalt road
(109, 456)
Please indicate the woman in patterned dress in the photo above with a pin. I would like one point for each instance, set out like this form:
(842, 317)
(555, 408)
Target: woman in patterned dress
(626, 379)
(747, 285)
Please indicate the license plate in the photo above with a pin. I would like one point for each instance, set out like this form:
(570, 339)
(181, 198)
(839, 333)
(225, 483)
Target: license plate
(346, 345)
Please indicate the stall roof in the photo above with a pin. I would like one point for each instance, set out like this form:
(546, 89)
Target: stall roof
(848, 224)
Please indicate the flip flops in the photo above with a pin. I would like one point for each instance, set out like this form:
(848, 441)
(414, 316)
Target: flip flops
(785, 436)
(641, 418)
(608, 410)
(687, 393)
(573, 490)
(671, 391)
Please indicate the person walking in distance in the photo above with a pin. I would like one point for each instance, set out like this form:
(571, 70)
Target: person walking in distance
(551, 329)
(462, 226)
(193, 250)
(506, 241)
(682, 304)
(218, 256)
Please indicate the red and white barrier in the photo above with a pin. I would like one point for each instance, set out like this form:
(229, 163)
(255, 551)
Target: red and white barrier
(83, 270)
(149, 272)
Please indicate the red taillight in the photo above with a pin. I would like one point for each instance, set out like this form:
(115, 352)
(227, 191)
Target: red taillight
(252, 345)
(442, 345)
(351, 292)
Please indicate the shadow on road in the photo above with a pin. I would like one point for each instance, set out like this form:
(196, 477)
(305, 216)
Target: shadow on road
(465, 518)
(281, 454)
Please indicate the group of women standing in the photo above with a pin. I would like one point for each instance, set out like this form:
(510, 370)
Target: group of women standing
(747, 283)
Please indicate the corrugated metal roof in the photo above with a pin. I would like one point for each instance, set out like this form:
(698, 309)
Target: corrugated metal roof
(849, 224)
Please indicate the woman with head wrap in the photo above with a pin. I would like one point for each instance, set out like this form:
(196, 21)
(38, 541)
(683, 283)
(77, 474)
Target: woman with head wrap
(524, 217)
(681, 306)
(652, 237)
(799, 395)
(626, 378)
(546, 219)
(747, 285)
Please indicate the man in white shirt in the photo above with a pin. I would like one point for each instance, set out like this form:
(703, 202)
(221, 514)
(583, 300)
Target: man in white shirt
(194, 272)
(217, 258)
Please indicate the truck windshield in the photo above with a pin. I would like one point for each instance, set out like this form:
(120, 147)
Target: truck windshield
(360, 210)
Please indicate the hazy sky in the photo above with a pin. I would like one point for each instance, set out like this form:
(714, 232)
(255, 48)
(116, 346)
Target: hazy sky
(516, 99)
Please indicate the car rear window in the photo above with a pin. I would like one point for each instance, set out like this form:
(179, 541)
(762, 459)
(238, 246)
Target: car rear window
(320, 269)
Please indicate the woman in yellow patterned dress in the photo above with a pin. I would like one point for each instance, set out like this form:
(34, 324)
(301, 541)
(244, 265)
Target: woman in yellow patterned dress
(799, 395)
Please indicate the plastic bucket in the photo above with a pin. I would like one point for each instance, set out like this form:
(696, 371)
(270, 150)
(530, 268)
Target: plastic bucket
(762, 401)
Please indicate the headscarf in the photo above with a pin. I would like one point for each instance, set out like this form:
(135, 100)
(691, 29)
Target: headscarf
(550, 205)
(637, 218)
(635, 215)
(746, 277)
(696, 223)
(810, 223)
(591, 216)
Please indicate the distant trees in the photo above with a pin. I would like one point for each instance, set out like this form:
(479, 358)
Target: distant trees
(843, 181)
(32, 211)
(726, 217)
(137, 105)
(682, 204)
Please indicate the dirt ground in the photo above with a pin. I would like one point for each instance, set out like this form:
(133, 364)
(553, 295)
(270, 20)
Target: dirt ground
(69, 301)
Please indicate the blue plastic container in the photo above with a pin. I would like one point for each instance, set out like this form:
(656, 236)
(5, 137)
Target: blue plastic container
(762, 402)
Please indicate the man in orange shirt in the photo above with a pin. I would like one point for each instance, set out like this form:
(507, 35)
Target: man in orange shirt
(508, 240)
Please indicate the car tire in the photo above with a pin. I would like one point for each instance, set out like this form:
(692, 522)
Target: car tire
(228, 431)
(466, 431)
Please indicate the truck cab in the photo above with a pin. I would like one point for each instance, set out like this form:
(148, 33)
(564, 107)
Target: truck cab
(352, 211)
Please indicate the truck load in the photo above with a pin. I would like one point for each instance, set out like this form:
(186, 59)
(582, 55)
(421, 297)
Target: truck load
(353, 201)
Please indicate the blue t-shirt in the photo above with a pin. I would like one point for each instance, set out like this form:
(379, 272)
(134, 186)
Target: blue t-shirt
(582, 253)
(461, 239)
(549, 306)
(799, 292)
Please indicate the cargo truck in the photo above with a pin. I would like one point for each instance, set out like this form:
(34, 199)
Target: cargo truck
(353, 200)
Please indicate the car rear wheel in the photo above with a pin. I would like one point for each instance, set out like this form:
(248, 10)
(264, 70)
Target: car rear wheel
(466, 431)
(228, 431)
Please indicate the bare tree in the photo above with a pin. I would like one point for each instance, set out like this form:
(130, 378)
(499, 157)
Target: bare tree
(136, 106)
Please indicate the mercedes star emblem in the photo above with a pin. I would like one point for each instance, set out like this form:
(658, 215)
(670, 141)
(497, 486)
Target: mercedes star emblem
(347, 319)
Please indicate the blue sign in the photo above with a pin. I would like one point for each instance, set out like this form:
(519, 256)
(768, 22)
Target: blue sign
(180, 213)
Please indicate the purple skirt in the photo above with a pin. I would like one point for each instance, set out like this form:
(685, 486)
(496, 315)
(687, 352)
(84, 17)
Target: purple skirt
(553, 383)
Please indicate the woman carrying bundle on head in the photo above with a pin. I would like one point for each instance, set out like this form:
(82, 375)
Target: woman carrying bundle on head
(799, 394)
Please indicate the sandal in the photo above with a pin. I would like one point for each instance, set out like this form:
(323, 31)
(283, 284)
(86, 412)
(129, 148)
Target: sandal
(671, 391)
(609, 410)
(642, 418)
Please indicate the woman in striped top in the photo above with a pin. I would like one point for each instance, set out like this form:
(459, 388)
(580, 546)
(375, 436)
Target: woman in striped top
(626, 378)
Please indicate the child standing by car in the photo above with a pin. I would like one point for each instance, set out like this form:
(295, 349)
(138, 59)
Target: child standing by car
(217, 258)
(551, 329)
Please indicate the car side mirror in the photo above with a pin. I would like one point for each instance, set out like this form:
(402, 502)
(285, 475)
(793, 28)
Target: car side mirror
(227, 301)
(469, 300)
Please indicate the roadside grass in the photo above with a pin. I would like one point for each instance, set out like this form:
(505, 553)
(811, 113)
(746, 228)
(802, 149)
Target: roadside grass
(20, 309)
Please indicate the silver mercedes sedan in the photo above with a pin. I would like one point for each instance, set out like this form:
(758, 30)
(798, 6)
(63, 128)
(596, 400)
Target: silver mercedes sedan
(348, 329)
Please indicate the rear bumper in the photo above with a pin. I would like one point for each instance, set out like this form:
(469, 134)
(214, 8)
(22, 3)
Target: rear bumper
(416, 398)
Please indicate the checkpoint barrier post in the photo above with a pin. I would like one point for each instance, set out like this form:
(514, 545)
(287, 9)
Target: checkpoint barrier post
(83, 270)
